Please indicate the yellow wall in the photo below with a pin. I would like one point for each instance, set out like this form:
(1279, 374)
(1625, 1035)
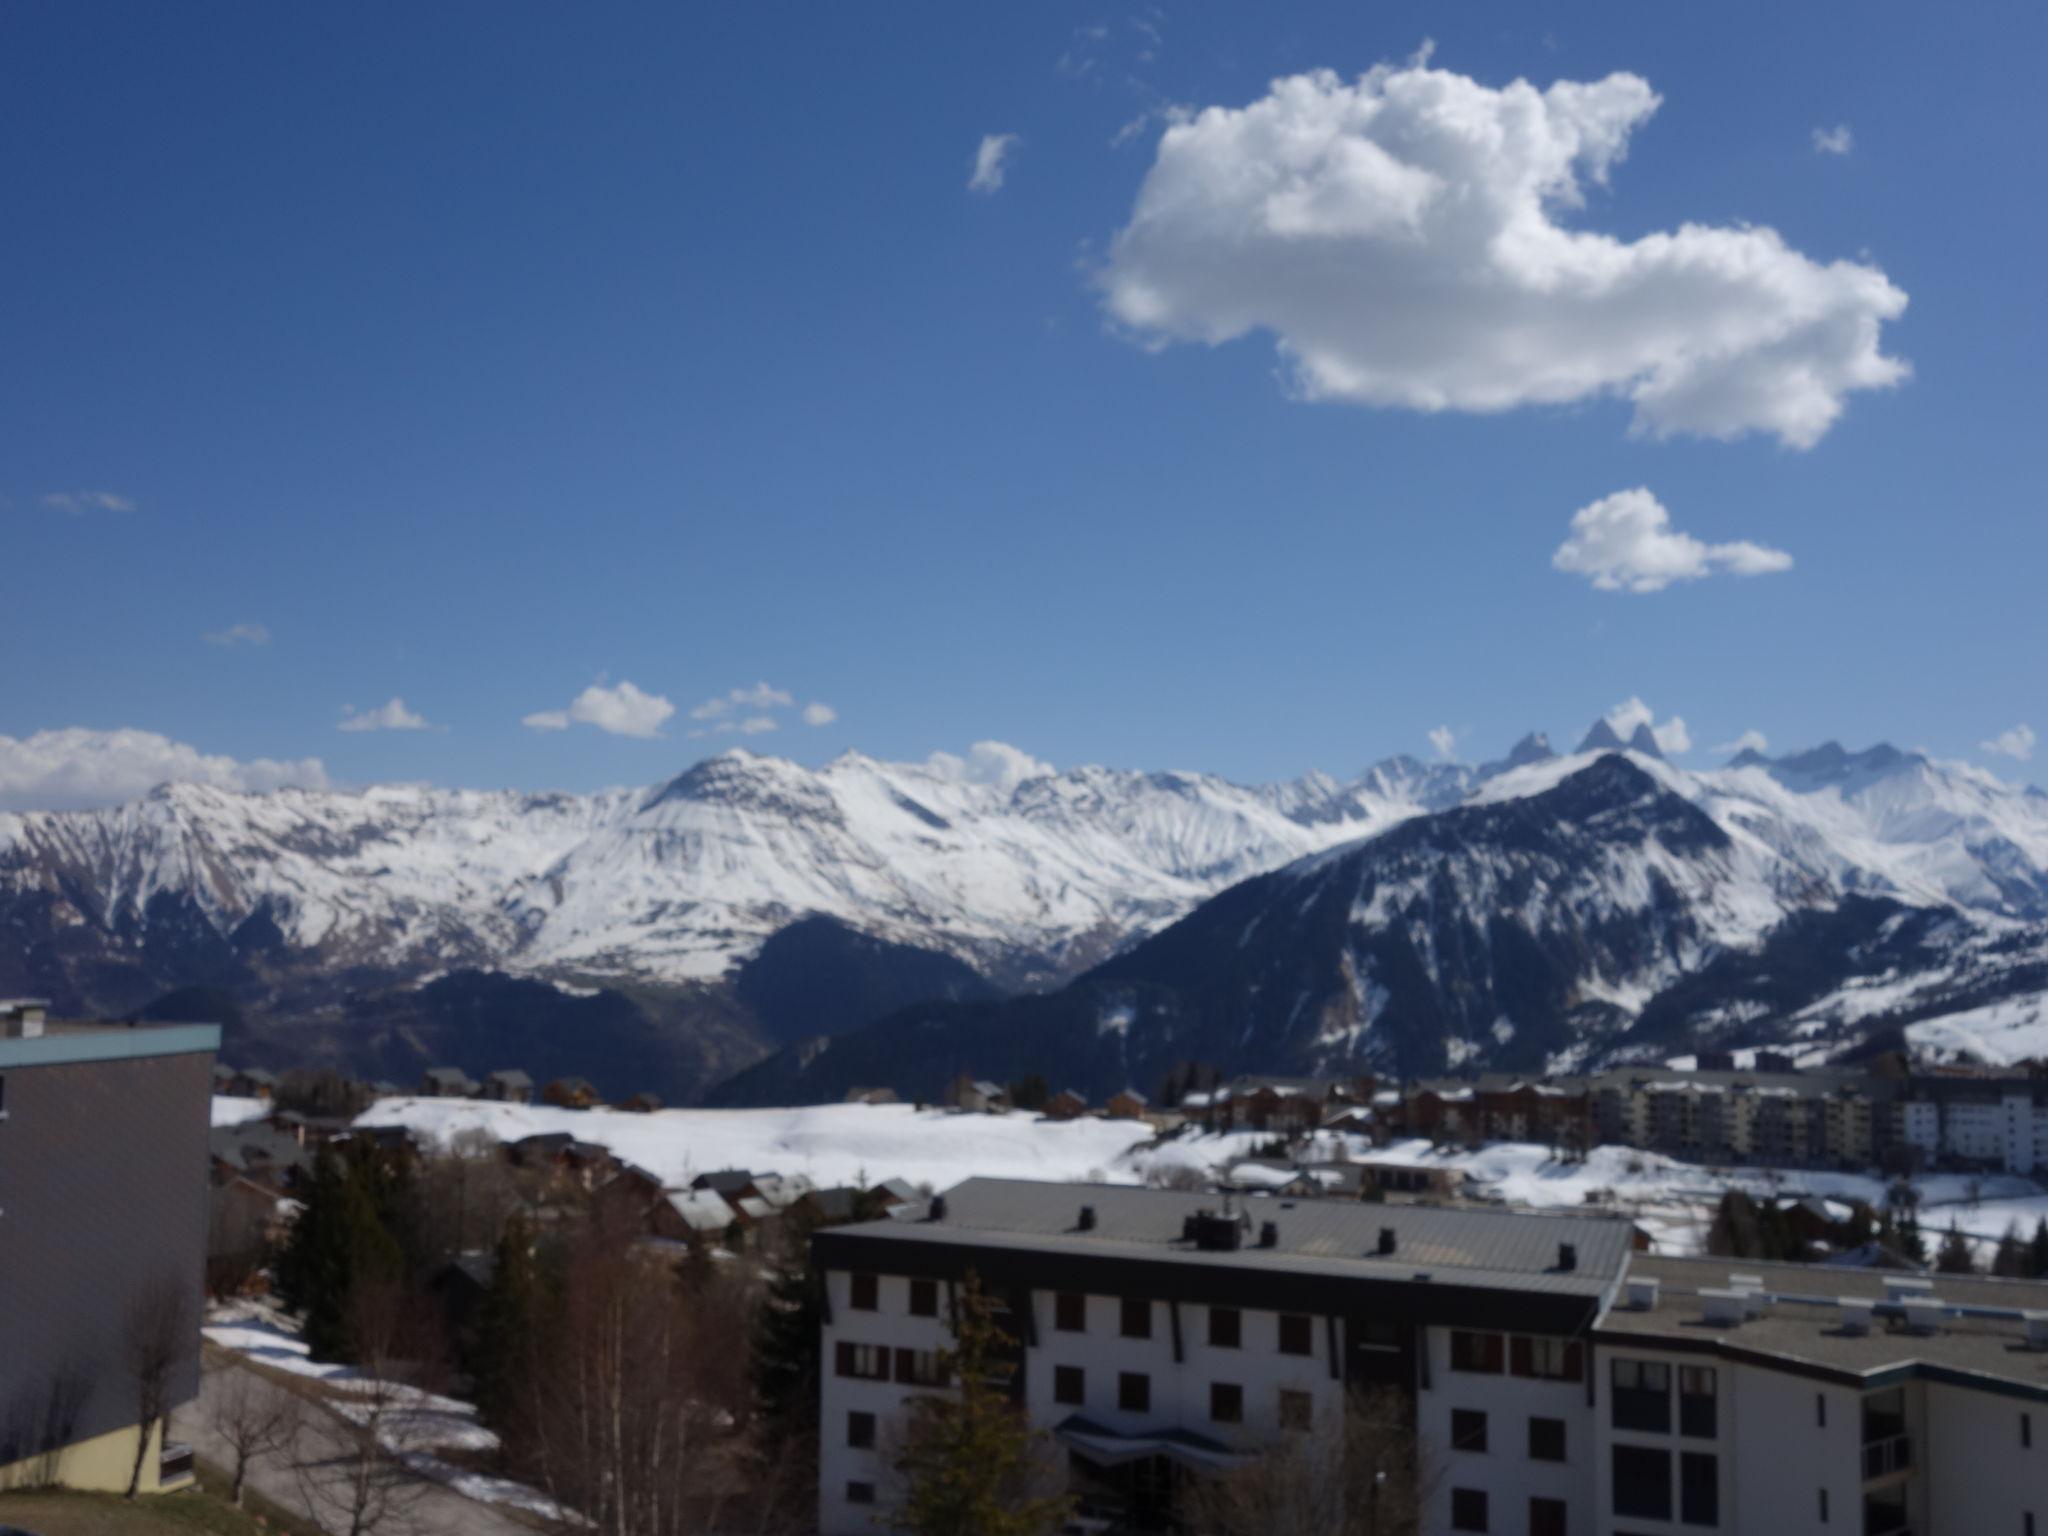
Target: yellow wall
(99, 1465)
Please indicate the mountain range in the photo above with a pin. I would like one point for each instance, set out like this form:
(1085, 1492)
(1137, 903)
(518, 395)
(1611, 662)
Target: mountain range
(870, 921)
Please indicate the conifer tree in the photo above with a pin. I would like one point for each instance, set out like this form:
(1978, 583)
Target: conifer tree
(509, 1322)
(970, 1461)
(343, 1234)
(2038, 1268)
(1956, 1256)
(2013, 1257)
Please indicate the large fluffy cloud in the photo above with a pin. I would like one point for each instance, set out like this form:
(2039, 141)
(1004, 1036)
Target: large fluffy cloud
(2017, 743)
(72, 769)
(995, 763)
(1625, 542)
(1404, 239)
(621, 710)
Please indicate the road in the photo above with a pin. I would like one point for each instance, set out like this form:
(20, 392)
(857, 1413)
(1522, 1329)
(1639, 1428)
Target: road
(319, 1456)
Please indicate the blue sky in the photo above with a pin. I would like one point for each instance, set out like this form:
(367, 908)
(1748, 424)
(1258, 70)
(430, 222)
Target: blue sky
(475, 355)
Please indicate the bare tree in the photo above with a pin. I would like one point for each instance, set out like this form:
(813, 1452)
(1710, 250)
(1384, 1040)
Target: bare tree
(368, 1487)
(255, 1417)
(163, 1333)
(1359, 1473)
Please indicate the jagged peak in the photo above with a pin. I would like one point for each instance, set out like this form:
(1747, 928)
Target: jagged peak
(1644, 740)
(1532, 748)
(1602, 738)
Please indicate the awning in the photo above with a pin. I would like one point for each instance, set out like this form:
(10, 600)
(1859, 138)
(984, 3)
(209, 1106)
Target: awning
(1196, 1452)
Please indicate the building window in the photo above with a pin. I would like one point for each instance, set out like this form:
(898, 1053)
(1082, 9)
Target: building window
(1546, 1439)
(1297, 1334)
(860, 1431)
(1696, 1410)
(1547, 1517)
(1468, 1429)
(1642, 1483)
(860, 1493)
(1070, 1385)
(1699, 1488)
(1137, 1318)
(1547, 1359)
(1226, 1327)
(922, 1368)
(1134, 1392)
(863, 1362)
(924, 1298)
(1070, 1312)
(1480, 1352)
(867, 1292)
(1468, 1509)
(1226, 1402)
(1297, 1409)
(1642, 1396)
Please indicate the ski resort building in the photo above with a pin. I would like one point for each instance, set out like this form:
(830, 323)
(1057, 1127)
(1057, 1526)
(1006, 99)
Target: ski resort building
(103, 1226)
(1559, 1384)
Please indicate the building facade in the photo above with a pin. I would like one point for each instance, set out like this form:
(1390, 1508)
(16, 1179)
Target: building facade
(1558, 1384)
(103, 1216)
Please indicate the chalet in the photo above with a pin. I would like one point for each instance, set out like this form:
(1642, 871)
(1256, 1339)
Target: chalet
(572, 1093)
(1289, 1106)
(829, 1207)
(1066, 1105)
(509, 1086)
(259, 1152)
(642, 1103)
(690, 1215)
(729, 1182)
(871, 1096)
(447, 1083)
(253, 1083)
(223, 1078)
(977, 1094)
(1128, 1104)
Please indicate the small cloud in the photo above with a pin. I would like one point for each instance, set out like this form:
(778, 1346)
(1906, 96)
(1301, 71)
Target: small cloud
(238, 634)
(994, 763)
(622, 710)
(1837, 140)
(2017, 743)
(393, 716)
(1671, 737)
(760, 696)
(819, 714)
(78, 503)
(989, 162)
(1625, 543)
(1748, 741)
(1445, 740)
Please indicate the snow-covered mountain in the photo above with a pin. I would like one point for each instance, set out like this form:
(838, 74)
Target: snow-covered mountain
(1026, 875)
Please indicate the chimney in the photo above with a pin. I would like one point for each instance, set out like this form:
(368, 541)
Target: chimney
(938, 1208)
(1725, 1309)
(1856, 1313)
(22, 1018)
(1269, 1235)
(1642, 1293)
(1567, 1256)
(1087, 1218)
(1386, 1241)
(2037, 1329)
(1923, 1314)
(1899, 1288)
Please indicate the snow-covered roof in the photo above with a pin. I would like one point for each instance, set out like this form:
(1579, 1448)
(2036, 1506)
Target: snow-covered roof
(701, 1210)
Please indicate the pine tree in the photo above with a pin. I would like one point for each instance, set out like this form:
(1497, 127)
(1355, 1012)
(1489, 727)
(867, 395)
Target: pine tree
(341, 1236)
(1911, 1243)
(1956, 1256)
(2012, 1257)
(970, 1463)
(1735, 1233)
(508, 1326)
(2039, 1251)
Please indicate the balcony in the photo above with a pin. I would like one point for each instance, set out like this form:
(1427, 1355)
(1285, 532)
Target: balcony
(173, 1464)
(1887, 1457)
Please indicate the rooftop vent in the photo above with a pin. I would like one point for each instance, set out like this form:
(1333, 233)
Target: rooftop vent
(1856, 1314)
(938, 1208)
(2037, 1329)
(1214, 1233)
(1745, 1282)
(1087, 1218)
(1567, 1256)
(1269, 1235)
(1923, 1314)
(1387, 1241)
(1725, 1309)
(1899, 1287)
(1642, 1293)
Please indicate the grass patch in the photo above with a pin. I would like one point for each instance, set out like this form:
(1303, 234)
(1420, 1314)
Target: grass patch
(202, 1510)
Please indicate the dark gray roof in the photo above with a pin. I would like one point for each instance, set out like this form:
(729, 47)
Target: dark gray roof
(511, 1077)
(1809, 1334)
(254, 1146)
(725, 1180)
(1338, 1238)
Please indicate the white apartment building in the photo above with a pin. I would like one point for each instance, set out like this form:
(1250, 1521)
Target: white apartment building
(1561, 1384)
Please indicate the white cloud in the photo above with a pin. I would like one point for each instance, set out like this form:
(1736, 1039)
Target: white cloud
(816, 713)
(2017, 743)
(79, 502)
(1625, 542)
(760, 696)
(994, 763)
(393, 716)
(238, 634)
(1671, 737)
(620, 711)
(1748, 741)
(1403, 239)
(75, 768)
(1445, 740)
(989, 161)
(1837, 140)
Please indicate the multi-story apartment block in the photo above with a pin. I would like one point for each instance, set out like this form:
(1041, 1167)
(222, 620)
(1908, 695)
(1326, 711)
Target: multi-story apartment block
(1559, 1385)
(103, 1220)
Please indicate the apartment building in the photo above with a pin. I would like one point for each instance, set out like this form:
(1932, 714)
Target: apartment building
(103, 1212)
(1560, 1385)
(1999, 1123)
